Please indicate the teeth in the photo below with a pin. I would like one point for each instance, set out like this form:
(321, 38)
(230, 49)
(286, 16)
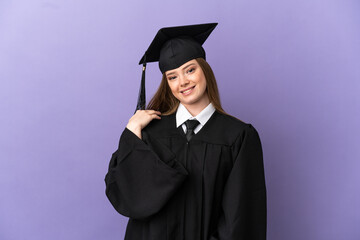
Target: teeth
(188, 90)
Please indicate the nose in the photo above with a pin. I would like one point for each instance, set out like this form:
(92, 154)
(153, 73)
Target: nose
(183, 81)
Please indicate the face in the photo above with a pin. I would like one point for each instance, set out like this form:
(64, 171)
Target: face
(188, 84)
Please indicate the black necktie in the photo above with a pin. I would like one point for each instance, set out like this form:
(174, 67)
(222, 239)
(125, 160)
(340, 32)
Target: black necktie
(190, 126)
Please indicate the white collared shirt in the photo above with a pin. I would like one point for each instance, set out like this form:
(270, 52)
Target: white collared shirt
(182, 115)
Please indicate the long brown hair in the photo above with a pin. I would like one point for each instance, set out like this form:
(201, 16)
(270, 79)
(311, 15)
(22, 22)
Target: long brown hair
(165, 102)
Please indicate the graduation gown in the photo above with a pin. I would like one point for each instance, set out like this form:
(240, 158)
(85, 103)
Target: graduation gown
(210, 188)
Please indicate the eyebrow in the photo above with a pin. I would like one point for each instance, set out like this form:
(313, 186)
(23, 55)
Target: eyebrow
(182, 68)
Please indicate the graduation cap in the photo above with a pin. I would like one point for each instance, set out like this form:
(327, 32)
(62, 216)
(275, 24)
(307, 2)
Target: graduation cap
(172, 47)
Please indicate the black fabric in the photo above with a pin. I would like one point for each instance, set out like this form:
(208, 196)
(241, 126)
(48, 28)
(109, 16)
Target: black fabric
(178, 51)
(190, 126)
(210, 188)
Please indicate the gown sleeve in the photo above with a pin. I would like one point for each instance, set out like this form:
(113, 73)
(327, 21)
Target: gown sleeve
(244, 198)
(143, 174)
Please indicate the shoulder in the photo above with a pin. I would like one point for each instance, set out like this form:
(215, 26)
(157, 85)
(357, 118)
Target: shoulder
(160, 127)
(234, 128)
(231, 121)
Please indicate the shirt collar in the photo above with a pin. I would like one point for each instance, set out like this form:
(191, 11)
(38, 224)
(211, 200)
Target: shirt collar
(182, 114)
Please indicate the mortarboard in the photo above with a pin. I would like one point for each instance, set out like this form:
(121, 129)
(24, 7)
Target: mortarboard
(172, 47)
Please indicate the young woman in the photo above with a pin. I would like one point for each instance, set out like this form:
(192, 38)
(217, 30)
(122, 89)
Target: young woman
(185, 169)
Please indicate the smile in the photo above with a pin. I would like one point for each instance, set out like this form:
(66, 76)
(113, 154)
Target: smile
(187, 91)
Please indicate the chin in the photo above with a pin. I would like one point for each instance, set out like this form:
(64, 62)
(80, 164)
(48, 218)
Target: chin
(189, 102)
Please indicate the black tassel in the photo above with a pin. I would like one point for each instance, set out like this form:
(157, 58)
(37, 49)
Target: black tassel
(142, 98)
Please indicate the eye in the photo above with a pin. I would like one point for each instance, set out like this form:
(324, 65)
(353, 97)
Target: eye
(172, 77)
(191, 70)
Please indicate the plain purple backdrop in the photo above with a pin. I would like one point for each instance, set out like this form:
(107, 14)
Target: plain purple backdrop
(69, 82)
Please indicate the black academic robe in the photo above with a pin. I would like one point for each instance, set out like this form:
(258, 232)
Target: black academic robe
(210, 188)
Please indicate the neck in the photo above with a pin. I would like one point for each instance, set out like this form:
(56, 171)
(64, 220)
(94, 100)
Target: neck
(195, 108)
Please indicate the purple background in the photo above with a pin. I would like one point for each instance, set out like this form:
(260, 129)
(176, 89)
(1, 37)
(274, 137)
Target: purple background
(69, 84)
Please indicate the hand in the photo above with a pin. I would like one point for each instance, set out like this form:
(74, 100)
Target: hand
(140, 119)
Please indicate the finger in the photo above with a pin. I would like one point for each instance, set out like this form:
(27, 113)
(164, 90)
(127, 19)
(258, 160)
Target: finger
(154, 114)
(154, 111)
